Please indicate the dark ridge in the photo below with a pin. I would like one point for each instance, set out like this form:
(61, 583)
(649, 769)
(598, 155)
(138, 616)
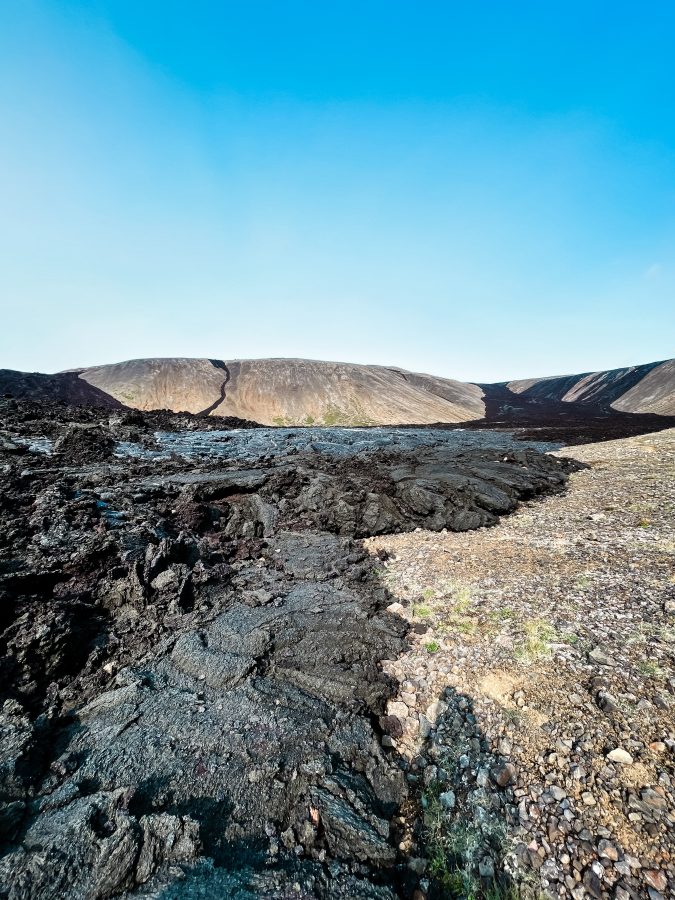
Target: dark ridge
(568, 422)
(218, 364)
(64, 387)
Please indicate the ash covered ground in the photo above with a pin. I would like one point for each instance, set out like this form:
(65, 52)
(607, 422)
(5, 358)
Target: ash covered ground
(192, 638)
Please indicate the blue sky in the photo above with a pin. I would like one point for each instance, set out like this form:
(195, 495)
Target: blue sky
(480, 190)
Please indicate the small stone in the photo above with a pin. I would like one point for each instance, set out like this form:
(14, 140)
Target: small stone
(619, 755)
(588, 798)
(504, 747)
(607, 850)
(482, 778)
(503, 774)
(601, 657)
(656, 879)
(418, 865)
(557, 793)
(653, 800)
(448, 799)
(486, 868)
(398, 709)
(592, 883)
(425, 726)
(435, 710)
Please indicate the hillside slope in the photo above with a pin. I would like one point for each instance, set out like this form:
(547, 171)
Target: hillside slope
(649, 388)
(655, 393)
(289, 391)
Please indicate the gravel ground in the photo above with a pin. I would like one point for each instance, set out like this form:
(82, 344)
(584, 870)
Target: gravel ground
(536, 713)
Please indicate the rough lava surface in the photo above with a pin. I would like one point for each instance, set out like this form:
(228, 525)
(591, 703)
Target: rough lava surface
(193, 698)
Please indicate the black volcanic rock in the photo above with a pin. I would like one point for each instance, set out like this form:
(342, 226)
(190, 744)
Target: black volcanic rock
(65, 387)
(190, 678)
(82, 442)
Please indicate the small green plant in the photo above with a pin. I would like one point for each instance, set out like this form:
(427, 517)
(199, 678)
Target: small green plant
(650, 668)
(583, 583)
(454, 844)
(428, 593)
(502, 614)
(569, 638)
(334, 416)
(538, 636)
(432, 647)
(462, 596)
(421, 611)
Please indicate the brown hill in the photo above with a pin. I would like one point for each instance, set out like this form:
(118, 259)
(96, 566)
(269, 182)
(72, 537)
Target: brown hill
(289, 391)
(648, 388)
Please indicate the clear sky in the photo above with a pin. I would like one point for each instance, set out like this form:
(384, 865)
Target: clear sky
(478, 189)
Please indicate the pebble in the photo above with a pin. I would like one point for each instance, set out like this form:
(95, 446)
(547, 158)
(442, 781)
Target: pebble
(448, 799)
(425, 726)
(619, 755)
(607, 850)
(601, 657)
(482, 778)
(655, 879)
(398, 709)
(486, 868)
(418, 865)
(504, 773)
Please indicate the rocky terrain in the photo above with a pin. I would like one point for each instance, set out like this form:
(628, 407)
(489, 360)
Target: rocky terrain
(195, 698)
(283, 392)
(536, 706)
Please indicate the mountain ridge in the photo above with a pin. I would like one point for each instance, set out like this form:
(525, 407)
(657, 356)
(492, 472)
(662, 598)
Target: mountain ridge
(294, 391)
